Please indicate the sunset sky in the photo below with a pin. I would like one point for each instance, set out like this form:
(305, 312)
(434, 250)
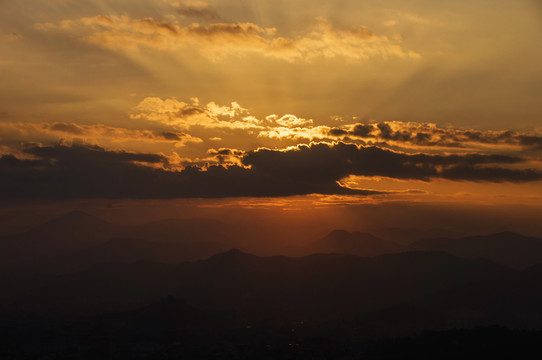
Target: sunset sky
(328, 103)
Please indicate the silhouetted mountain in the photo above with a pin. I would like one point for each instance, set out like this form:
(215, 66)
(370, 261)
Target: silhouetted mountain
(106, 287)
(71, 232)
(119, 250)
(87, 239)
(353, 243)
(514, 300)
(406, 236)
(181, 230)
(506, 248)
(70, 223)
(318, 286)
(238, 305)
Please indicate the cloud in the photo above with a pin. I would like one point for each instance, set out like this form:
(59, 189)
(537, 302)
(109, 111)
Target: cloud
(218, 40)
(464, 172)
(324, 162)
(13, 36)
(90, 133)
(427, 134)
(183, 115)
(11, 163)
(198, 11)
(296, 133)
(406, 134)
(290, 121)
(86, 171)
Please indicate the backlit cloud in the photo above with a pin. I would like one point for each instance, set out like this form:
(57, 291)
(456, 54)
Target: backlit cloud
(426, 134)
(90, 133)
(218, 40)
(324, 162)
(84, 171)
(89, 171)
(183, 115)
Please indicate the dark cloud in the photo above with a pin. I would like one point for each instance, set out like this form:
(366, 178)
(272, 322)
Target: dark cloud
(243, 29)
(10, 163)
(172, 136)
(324, 163)
(87, 171)
(68, 128)
(338, 132)
(430, 135)
(91, 155)
(226, 151)
(224, 156)
(386, 132)
(463, 172)
(199, 13)
(362, 130)
(190, 110)
(150, 23)
(531, 141)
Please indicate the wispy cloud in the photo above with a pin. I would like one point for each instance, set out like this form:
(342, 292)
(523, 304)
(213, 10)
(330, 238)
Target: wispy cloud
(89, 133)
(183, 115)
(218, 40)
(427, 134)
(187, 115)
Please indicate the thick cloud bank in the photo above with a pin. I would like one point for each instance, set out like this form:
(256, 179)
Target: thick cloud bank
(87, 171)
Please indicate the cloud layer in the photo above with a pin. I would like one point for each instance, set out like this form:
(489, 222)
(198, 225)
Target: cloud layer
(184, 116)
(85, 171)
(431, 135)
(90, 133)
(218, 40)
(324, 162)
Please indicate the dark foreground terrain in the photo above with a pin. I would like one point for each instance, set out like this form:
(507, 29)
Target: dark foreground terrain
(240, 306)
(135, 296)
(131, 337)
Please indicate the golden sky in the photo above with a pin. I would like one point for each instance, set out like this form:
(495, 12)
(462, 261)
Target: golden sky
(173, 99)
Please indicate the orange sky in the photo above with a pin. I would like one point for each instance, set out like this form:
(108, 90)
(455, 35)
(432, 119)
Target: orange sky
(369, 101)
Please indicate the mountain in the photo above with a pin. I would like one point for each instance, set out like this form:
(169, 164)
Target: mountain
(90, 239)
(353, 243)
(180, 230)
(506, 248)
(514, 301)
(406, 236)
(120, 250)
(321, 287)
(70, 224)
(72, 231)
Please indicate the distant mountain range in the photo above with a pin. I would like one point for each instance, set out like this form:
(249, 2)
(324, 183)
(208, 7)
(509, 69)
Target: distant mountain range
(173, 280)
(406, 236)
(316, 286)
(352, 243)
(383, 295)
(80, 237)
(395, 293)
(506, 248)
(78, 240)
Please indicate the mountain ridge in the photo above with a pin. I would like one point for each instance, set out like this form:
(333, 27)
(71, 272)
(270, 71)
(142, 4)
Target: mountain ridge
(509, 248)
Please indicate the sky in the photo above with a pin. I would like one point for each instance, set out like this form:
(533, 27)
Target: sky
(264, 101)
